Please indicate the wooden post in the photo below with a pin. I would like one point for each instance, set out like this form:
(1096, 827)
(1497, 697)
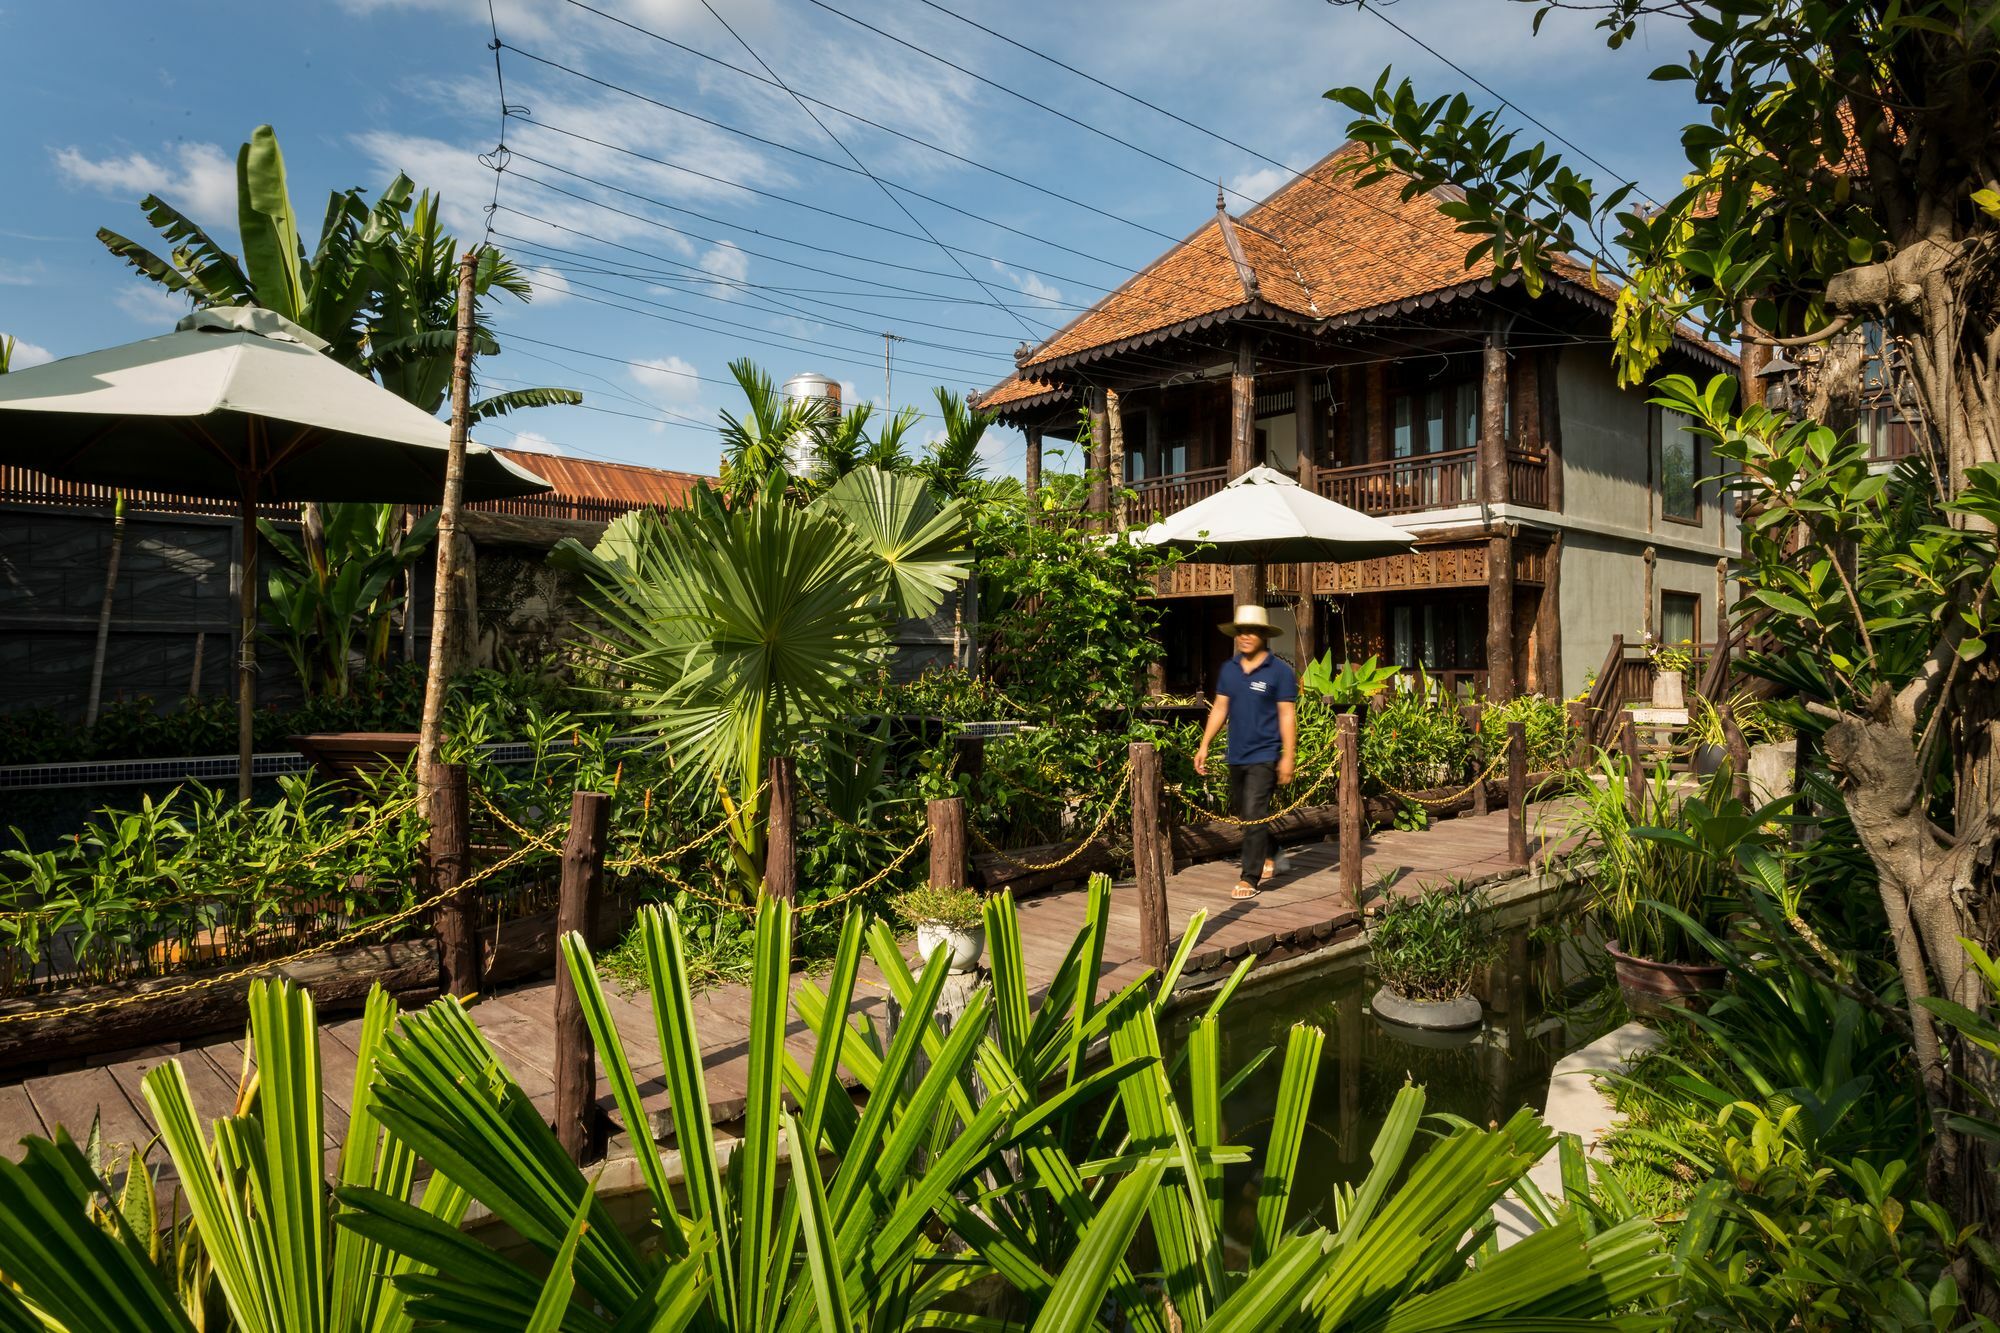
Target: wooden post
(947, 820)
(1517, 793)
(444, 647)
(449, 856)
(1500, 678)
(1635, 777)
(1474, 714)
(971, 759)
(1034, 478)
(1100, 459)
(1151, 855)
(781, 846)
(1491, 465)
(1243, 452)
(1307, 430)
(1114, 458)
(1579, 732)
(576, 910)
(1739, 751)
(1347, 737)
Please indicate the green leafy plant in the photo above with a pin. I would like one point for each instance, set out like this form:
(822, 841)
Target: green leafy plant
(1758, 722)
(1673, 656)
(1432, 946)
(330, 599)
(1416, 740)
(949, 905)
(1354, 684)
(1551, 739)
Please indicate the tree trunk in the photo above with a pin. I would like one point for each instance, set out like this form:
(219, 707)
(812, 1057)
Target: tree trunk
(443, 648)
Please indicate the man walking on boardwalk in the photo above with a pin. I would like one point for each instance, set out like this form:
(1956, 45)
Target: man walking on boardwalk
(1256, 696)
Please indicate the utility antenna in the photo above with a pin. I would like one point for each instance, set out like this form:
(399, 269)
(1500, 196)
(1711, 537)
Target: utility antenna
(888, 399)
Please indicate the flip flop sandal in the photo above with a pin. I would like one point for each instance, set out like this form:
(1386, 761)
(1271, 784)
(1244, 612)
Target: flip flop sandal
(1243, 889)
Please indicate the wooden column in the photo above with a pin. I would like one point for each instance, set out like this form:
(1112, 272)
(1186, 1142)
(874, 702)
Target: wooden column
(1114, 458)
(1635, 776)
(1243, 452)
(1754, 358)
(1100, 458)
(1548, 390)
(1474, 716)
(449, 857)
(1649, 558)
(971, 752)
(1034, 475)
(1517, 793)
(1152, 855)
(1347, 738)
(947, 822)
(1306, 426)
(1492, 452)
(1548, 623)
(576, 912)
(1500, 678)
(781, 847)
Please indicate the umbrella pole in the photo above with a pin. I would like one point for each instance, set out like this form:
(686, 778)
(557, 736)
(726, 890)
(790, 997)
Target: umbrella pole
(246, 648)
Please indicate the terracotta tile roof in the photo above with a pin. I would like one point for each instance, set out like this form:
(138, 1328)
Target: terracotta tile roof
(589, 479)
(1015, 390)
(1319, 248)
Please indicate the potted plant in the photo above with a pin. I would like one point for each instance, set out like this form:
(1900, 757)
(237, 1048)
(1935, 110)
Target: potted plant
(1651, 876)
(1670, 668)
(945, 915)
(1428, 949)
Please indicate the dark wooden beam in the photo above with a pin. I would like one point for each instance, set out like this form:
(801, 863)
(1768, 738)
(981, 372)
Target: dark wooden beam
(1500, 679)
(1243, 448)
(1100, 456)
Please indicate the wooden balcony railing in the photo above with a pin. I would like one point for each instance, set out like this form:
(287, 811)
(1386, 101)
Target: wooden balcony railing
(1432, 481)
(1404, 485)
(1156, 497)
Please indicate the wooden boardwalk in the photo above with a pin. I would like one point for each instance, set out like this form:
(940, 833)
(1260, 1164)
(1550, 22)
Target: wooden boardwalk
(1304, 909)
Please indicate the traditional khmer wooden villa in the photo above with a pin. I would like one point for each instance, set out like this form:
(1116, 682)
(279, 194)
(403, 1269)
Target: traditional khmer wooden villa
(1336, 332)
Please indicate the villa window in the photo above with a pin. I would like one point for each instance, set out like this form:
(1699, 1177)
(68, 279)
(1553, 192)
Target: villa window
(1680, 618)
(1434, 419)
(1680, 469)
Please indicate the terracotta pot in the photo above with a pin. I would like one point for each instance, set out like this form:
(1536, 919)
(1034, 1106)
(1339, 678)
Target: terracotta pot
(1651, 987)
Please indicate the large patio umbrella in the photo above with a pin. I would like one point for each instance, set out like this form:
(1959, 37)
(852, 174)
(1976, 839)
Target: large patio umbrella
(1265, 517)
(236, 404)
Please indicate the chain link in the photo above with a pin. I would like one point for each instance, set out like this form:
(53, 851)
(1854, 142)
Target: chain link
(337, 942)
(819, 803)
(1179, 790)
(1033, 868)
(1429, 802)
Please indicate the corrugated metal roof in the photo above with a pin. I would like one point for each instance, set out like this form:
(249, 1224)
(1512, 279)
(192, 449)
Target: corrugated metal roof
(591, 479)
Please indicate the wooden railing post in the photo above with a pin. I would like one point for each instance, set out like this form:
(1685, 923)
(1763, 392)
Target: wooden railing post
(448, 855)
(1152, 854)
(947, 821)
(1474, 716)
(1517, 793)
(1635, 775)
(781, 847)
(577, 910)
(1347, 736)
(1579, 734)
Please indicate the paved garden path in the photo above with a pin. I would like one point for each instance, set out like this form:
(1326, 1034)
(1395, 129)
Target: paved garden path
(1305, 908)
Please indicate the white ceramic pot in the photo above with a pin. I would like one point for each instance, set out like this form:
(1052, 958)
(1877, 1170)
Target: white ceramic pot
(964, 947)
(1669, 689)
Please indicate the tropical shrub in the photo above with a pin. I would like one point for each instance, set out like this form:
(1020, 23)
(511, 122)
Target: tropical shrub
(1550, 737)
(1431, 946)
(330, 593)
(939, 905)
(1416, 740)
(1354, 684)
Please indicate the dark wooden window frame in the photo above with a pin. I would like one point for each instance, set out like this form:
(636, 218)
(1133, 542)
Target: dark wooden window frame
(1691, 520)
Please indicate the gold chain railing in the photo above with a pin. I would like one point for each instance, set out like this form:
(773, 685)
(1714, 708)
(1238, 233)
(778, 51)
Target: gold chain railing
(1032, 867)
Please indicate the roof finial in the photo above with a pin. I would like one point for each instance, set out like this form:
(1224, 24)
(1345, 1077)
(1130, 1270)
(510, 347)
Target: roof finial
(1220, 206)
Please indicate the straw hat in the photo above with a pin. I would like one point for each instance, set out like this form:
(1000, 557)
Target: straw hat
(1251, 620)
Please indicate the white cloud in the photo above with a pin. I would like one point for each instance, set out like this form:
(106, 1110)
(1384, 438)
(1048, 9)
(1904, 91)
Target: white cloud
(152, 305)
(1029, 285)
(16, 275)
(1258, 184)
(535, 441)
(725, 261)
(551, 287)
(29, 354)
(199, 179)
(670, 377)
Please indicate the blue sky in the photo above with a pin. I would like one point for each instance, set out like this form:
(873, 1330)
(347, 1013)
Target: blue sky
(642, 307)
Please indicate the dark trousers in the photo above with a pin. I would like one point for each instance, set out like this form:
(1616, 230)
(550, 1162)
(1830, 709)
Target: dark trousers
(1250, 788)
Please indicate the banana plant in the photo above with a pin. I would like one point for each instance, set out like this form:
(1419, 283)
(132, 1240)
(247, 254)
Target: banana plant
(325, 597)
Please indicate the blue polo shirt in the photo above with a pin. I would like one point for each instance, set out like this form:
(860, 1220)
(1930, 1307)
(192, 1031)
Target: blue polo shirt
(1254, 697)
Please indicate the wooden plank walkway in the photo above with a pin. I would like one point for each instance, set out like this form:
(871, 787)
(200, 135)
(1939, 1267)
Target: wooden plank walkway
(1303, 909)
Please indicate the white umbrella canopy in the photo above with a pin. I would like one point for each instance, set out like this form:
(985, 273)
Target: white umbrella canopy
(1265, 517)
(237, 404)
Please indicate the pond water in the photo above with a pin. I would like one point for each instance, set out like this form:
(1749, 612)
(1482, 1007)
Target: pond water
(1483, 1075)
